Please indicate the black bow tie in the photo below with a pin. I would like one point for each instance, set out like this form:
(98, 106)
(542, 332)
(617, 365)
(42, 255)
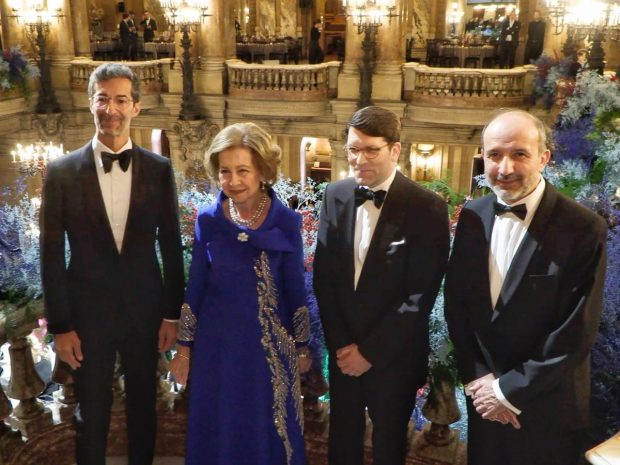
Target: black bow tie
(123, 159)
(518, 210)
(363, 193)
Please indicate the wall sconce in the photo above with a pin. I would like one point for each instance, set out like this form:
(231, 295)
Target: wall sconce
(423, 160)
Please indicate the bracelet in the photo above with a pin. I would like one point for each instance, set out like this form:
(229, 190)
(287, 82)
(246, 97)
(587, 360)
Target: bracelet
(183, 356)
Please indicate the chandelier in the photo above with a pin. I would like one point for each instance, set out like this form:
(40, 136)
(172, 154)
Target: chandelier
(33, 158)
(370, 14)
(585, 17)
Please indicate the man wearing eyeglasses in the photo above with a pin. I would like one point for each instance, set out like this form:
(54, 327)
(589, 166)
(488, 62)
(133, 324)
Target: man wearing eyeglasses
(381, 252)
(112, 203)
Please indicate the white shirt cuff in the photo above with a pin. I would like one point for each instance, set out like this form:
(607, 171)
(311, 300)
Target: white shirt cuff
(500, 396)
(171, 321)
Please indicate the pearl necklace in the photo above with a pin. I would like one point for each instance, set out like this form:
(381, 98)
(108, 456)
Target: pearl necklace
(236, 217)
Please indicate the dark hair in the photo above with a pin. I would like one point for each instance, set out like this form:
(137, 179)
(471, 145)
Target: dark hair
(125, 16)
(316, 21)
(109, 71)
(376, 122)
(265, 153)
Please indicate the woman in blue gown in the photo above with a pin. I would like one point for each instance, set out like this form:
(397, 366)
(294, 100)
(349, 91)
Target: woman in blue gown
(244, 327)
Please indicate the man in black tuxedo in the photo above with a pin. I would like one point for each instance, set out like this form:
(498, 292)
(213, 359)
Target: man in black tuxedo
(149, 26)
(523, 302)
(114, 202)
(508, 40)
(535, 38)
(124, 32)
(382, 249)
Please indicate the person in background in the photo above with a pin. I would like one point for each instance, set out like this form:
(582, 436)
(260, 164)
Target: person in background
(113, 203)
(509, 40)
(381, 252)
(149, 26)
(245, 325)
(535, 39)
(523, 301)
(124, 32)
(315, 52)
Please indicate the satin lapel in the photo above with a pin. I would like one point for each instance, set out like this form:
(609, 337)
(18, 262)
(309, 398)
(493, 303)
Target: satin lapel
(386, 229)
(94, 208)
(530, 244)
(347, 212)
(137, 194)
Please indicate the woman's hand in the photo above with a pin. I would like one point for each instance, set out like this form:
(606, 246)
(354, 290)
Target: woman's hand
(303, 363)
(179, 365)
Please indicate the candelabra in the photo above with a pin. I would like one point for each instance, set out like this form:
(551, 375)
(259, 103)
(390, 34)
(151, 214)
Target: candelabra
(185, 16)
(33, 158)
(37, 15)
(368, 16)
(598, 20)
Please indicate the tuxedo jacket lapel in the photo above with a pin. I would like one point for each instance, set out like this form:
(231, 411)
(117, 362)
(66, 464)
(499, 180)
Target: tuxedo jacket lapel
(138, 194)
(347, 212)
(94, 208)
(385, 231)
(529, 245)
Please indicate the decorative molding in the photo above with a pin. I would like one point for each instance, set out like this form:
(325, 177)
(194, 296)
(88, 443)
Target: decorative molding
(195, 137)
(49, 125)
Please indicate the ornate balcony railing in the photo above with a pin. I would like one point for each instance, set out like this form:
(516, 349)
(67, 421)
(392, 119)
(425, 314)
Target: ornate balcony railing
(280, 82)
(452, 87)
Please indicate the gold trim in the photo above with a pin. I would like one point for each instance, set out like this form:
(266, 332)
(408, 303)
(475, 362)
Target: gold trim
(301, 324)
(280, 350)
(187, 324)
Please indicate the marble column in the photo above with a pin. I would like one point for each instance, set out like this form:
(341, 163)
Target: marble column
(12, 32)
(278, 16)
(60, 50)
(349, 77)
(79, 22)
(217, 37)
(387, 80)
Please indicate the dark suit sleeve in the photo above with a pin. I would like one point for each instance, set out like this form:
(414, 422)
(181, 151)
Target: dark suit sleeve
(469, 358)
(425, 269)
(569, 342)
(53, 264)
(169, 238)
(336, 330)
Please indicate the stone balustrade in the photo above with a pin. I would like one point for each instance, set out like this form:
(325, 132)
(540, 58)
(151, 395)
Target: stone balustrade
(280, 82)
(152, 76)
(458, 87)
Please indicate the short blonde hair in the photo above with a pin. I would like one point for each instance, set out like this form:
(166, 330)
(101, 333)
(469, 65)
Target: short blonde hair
(265, 154)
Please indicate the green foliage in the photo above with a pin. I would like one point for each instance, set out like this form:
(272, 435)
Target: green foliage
(443, 188)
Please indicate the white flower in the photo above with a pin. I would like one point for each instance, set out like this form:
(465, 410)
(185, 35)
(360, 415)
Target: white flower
(243, 237)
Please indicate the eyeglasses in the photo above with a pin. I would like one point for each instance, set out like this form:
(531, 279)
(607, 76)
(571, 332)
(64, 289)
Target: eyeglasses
(103, 101)
(369, 152)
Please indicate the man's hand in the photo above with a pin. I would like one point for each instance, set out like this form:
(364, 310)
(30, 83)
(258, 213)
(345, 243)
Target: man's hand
(351, 362)
(69, 348)
(167, 335)
(303, 364)
(487, 404)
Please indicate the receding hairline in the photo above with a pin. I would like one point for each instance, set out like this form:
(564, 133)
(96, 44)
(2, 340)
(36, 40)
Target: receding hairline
(536, 125)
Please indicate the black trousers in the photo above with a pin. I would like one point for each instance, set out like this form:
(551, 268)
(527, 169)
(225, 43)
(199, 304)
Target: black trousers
(491, 443)
(93, 382)
(390, 398)
(507, 52)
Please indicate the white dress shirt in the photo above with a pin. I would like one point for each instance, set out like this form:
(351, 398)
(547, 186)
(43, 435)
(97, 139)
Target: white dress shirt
(365, 224)
(115, 190)
(508, 233)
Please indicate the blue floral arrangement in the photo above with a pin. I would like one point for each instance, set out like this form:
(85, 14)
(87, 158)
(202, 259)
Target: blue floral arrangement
(16, 71)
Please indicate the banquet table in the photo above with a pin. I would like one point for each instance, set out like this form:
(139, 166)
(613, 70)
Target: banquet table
(264, 51)
(464, 51)
(159, 48)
